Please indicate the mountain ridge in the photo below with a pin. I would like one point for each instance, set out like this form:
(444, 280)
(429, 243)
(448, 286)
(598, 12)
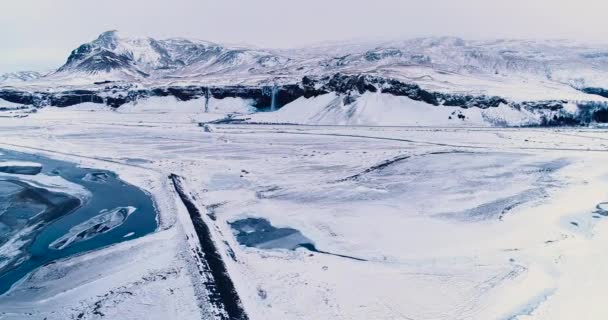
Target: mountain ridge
(114, 57)
(558, 82)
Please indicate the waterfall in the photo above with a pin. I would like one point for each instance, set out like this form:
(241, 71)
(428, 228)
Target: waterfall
(207, 97)
(273, 98)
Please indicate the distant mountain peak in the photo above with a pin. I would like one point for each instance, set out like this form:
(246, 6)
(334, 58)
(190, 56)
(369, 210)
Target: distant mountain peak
(108, 39)
(125, 58)
(20, 76)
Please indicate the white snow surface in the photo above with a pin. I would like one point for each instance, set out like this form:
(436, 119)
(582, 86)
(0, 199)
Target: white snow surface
(379, 109)
(451, 222)
(172, 105)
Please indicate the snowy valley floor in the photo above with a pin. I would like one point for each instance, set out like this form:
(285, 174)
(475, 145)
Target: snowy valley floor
(411, 222)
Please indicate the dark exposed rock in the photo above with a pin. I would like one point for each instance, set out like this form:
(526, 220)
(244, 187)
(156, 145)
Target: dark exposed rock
(70, 98)
(379, 54)
(341, 83)
(597, 91)
(560, 121)
(601, 116)
(21, 97)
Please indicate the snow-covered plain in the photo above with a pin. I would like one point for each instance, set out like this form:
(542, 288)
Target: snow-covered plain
(419, 222)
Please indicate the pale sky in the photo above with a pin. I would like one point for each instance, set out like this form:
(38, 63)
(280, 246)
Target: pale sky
(39, 34)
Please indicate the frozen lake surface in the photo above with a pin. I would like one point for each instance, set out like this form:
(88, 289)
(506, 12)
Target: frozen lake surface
(259, 233)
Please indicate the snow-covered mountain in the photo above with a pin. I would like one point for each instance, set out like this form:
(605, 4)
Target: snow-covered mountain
(519, 69)
(112, 57)
(551, 75)
(20, 76)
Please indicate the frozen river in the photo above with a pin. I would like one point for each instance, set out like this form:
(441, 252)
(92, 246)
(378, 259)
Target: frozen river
(61, 211)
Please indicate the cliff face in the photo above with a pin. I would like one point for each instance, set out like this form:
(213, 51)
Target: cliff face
(349, 87)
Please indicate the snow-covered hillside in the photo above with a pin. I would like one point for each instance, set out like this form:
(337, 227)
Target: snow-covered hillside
(380, 109)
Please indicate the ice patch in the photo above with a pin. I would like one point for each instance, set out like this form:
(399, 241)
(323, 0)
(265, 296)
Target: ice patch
(51, 183)
(259, 233)
(99, 177)
(104, 222)
(20, 167)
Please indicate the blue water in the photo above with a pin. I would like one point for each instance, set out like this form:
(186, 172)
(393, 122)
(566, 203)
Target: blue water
(21, 206)
(259, 233)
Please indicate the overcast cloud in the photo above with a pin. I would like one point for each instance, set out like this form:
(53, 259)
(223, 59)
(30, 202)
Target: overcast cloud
(39, 34)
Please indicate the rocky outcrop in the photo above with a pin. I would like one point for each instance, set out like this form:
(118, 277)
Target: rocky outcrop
(347, 84)
(597, 91)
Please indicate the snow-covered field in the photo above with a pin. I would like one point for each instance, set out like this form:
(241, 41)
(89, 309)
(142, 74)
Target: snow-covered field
(410, 222)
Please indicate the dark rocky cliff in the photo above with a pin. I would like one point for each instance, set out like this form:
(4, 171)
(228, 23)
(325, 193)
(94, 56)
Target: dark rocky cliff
(349, 86)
